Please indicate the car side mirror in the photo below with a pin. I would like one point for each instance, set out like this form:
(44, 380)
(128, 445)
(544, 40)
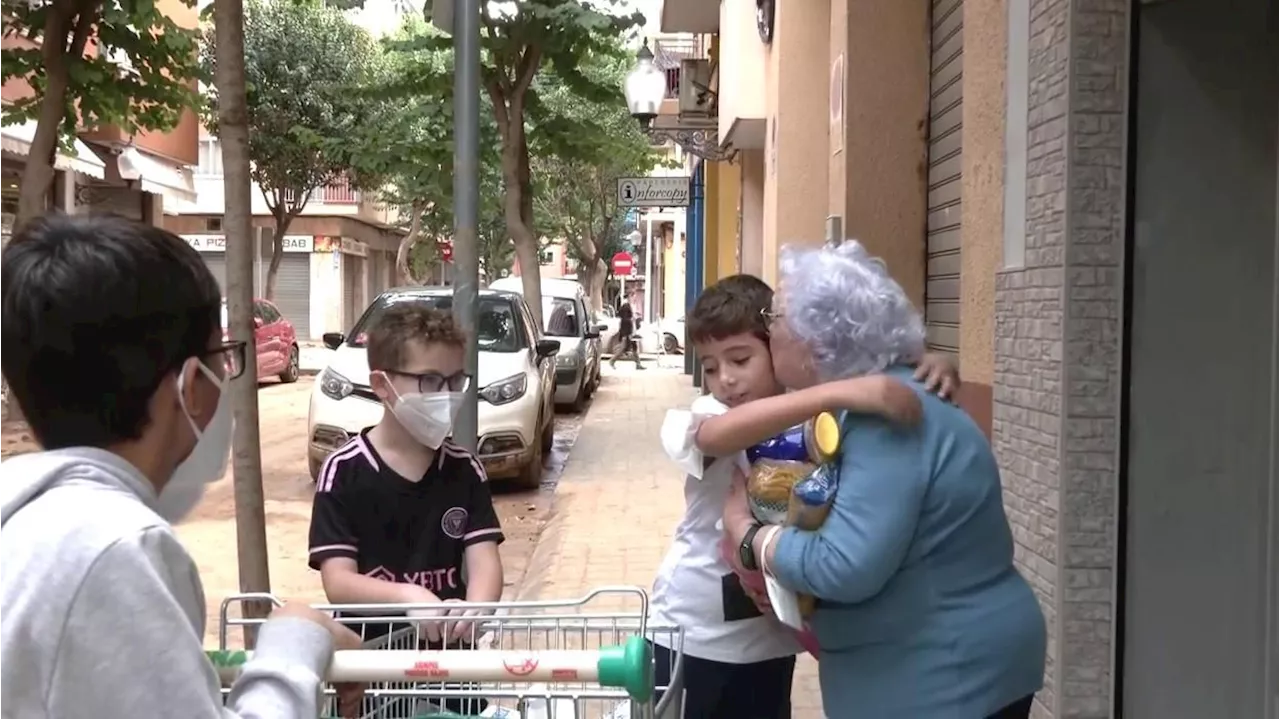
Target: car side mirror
(333, 340)
(546, 348)
(591, 334)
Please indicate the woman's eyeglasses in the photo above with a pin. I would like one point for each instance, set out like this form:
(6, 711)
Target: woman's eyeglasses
(429, 382)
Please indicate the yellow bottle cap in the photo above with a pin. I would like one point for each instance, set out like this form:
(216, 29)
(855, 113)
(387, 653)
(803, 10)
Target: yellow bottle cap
(822, 437)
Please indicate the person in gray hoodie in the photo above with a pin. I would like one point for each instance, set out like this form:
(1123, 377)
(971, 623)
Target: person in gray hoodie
(114, 352)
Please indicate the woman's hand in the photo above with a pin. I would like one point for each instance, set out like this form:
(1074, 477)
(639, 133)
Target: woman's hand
(737, 512)
(938, 375)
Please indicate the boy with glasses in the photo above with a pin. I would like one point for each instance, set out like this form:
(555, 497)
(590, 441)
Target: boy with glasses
(114, 351)
(402, 514)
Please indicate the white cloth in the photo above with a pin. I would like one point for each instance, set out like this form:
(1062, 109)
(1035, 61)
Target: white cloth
(689, 589)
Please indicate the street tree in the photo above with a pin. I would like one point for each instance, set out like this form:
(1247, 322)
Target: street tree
(246, 463)
(93, 64)
(519, 40)
(404, 152)
(306, 67)
(581, 149)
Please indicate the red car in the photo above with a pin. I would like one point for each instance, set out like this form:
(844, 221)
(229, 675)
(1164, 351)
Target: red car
(277, 341)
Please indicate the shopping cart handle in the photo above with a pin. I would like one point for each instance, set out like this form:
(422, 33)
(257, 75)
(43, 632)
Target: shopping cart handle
(626, 666)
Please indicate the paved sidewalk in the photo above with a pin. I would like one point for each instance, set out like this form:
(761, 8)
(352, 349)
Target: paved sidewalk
(620, 498)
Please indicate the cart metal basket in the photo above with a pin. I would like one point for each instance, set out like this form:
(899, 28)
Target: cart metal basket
(569, 659)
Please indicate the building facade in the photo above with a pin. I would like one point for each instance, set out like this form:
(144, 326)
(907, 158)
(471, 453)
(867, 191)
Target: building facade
(1081, 197)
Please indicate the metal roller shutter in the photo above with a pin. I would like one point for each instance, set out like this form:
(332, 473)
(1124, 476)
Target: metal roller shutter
(350, 280)
(946, 91)
(217, 264)
(293, 292)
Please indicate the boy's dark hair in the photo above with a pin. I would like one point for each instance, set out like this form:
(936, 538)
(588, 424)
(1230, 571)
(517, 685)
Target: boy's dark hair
(96, 312)
(405, 321)
(735, 305)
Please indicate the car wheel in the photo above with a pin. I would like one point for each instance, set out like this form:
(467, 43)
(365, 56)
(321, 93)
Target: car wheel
(548, 436)
(291, 370)
(580, 400)
(314, 465)
(670, 344)
(530, 476)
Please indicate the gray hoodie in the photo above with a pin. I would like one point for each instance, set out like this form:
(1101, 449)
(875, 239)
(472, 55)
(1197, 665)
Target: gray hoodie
(104, 612)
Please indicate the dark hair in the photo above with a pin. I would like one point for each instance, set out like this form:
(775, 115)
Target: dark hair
(97, 311)
(735, 305)
(406, 321)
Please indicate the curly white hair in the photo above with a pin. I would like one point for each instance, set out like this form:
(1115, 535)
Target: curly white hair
(843, 305)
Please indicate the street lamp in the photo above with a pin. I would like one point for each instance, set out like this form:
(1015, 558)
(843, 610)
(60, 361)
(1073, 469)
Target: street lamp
(644, 87)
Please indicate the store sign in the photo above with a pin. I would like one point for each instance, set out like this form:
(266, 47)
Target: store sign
(344, 245)
(218, 243)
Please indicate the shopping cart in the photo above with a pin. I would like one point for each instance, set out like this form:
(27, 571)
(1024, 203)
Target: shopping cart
(524, 660)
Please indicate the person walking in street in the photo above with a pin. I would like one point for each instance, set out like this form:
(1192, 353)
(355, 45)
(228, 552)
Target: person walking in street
(626, 332)
(921, 611)
(114, 352)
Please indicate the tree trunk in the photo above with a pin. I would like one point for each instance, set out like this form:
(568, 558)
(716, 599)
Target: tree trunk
(514, 203)
(246, 468)
(406, 246)
(284, 218)
(38, 175)
(594, 276)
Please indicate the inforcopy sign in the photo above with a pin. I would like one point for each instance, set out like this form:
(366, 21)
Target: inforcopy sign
(653, 191)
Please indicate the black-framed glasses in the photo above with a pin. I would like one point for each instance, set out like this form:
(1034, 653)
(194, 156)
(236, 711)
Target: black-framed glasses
(429, 382)
(229, 356)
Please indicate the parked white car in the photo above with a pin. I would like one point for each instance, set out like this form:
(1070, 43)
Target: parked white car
(665, 336)
(565, 318)
(516, 377)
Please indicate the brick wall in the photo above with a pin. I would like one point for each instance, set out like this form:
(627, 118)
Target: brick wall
(1057, 356)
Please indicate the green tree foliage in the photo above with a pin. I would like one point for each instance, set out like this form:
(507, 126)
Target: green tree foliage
(95, 64)
(521, 40)
(404, 152)
(580, 150)
(306, 69)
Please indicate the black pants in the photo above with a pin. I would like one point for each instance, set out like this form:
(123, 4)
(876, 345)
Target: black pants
(715, 690)
(1020, 709)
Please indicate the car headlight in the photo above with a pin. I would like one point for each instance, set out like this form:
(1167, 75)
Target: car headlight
(567, 361)
(504, 391)
(334, 385)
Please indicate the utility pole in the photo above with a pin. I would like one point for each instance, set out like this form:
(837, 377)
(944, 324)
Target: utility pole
(466, 194)
(242, 246)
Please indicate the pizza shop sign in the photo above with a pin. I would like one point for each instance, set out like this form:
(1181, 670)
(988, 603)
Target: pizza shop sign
(218, 243)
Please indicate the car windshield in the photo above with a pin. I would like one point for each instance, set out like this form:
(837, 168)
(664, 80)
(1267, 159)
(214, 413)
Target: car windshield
(561, 317)
(496, 332)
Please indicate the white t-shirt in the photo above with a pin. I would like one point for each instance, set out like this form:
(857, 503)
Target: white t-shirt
(695, 589)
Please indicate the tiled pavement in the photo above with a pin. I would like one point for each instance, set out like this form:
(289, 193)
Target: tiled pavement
(620, 498)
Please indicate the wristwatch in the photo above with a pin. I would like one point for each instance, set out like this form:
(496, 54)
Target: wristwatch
(747, 552)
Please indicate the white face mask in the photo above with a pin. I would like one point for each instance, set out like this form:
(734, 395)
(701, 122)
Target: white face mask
(207, 461)
(427, 418)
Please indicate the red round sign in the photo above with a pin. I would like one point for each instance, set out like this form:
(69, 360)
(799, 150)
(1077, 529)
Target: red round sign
(446, 250)
(622, 263)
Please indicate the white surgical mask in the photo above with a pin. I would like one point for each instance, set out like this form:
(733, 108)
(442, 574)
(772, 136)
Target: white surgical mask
(429, 417)
(207, 461)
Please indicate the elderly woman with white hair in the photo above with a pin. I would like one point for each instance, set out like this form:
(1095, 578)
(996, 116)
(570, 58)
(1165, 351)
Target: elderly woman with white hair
(921, 612)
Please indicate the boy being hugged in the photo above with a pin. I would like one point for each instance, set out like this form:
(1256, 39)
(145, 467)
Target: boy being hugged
(738, 662)
(402, 514)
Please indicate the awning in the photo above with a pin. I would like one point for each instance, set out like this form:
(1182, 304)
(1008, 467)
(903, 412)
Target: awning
(157, 175)
(18, 138)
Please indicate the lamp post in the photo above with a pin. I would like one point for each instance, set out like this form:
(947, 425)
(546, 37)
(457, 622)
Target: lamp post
(646, 87)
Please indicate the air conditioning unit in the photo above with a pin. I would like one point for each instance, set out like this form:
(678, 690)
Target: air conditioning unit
(696, 96)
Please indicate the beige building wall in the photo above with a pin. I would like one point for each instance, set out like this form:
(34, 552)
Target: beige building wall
(878, 57)
(752, 241)
(795, 152)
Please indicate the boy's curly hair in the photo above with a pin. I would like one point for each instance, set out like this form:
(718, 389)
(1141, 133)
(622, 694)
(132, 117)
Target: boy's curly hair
(735, 305)
(406, 321)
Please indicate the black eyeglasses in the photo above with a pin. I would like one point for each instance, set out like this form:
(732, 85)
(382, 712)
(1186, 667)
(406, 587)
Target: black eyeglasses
(229, 357)
(429, 382)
